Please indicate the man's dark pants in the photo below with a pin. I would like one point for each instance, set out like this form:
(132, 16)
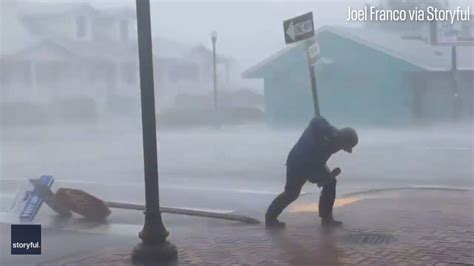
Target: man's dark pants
(294, 182)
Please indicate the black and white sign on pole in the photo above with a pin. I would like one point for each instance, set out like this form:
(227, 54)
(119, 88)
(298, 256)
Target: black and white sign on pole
(298, 28)
(302, 28)
(313, 53)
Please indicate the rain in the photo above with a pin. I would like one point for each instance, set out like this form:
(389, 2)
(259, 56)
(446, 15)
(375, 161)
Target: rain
(70, 103)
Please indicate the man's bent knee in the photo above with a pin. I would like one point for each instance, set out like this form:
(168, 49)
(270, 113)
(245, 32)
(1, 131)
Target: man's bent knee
(291, 194)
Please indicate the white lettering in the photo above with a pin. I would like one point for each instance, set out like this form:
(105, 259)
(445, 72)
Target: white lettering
(356, 15)
(303, 27)
(26, 246)
(430, 13)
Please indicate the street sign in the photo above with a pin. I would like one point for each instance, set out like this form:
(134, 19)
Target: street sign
(48, 196)
(34, 201)
(313, 53)
(298, 28)
(301, 28)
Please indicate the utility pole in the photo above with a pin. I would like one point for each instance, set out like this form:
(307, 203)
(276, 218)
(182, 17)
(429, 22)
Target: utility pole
(214, 39)
(154, 247)
(312, 73)
(457, 102)
(302, 28)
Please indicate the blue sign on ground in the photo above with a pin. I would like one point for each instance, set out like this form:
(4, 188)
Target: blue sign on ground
(33, 202)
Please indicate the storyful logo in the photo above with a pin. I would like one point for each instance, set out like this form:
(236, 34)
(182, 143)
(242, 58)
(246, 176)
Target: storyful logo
(25, 239)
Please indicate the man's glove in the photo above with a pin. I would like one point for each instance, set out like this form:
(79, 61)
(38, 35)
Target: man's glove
(335, 172)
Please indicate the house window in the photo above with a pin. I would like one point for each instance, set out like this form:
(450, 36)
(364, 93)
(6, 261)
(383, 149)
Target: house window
(124, 30)
(81, 27)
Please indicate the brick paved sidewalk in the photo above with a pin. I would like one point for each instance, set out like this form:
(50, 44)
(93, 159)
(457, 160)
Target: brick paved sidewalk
(407, 227)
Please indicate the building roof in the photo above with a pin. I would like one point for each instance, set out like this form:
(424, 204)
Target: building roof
(413, 51)
(39, 10)
(251, 72)
(17, 37)
(101, 50)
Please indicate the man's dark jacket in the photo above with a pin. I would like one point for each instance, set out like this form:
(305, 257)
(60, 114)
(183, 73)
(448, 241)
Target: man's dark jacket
(307, 159)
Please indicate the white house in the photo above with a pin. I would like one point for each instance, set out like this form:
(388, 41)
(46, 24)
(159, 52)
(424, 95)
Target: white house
(52, 52)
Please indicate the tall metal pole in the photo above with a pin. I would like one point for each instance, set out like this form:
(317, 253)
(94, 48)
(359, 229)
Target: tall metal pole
(214, 39)
(312, 76)
(154, 247)
(457, 103)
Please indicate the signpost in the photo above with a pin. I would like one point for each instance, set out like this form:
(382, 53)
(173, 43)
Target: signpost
(68, 200)
(302, 28)
(313, 55)
(34, 201)
(452, 34)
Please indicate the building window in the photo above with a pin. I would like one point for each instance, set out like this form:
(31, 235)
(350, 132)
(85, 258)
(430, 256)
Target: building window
(81, 27)
(124, 30)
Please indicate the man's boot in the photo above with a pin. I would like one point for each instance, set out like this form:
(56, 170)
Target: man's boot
(329, 222)
(271, 221)
(276, 207)
(274, 223)
(326, 203)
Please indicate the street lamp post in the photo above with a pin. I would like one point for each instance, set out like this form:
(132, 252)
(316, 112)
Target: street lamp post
(456, 98)
(154, 246)
(214, 39)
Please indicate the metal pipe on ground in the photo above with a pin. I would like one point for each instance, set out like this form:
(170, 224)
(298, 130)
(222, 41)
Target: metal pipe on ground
(190, 212)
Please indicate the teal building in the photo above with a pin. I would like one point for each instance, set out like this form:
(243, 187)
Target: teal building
(367, 78)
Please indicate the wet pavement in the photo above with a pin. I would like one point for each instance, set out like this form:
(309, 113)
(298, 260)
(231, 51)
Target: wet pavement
(399, 227)
(240, 170)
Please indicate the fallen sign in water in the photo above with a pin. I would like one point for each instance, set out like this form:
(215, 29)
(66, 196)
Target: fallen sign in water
(67, 200)
(28, 200)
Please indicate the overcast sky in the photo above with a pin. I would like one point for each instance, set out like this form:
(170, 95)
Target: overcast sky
(249, 31)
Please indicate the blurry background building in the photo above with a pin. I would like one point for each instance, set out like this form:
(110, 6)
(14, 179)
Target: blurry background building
(74, 61)
(80, 62)
(374, 75)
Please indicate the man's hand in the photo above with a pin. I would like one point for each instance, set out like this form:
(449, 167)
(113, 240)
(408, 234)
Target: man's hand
(335, 172)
